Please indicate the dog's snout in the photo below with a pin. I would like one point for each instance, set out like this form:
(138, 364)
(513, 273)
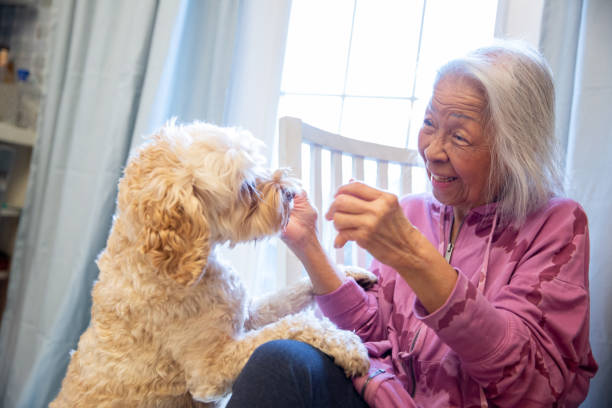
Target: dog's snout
(288, 194)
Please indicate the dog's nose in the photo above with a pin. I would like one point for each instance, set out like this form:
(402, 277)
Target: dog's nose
(288, 194)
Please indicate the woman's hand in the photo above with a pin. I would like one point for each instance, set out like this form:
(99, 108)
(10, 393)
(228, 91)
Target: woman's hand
(300, 235)
(373, 219)
(302, 226)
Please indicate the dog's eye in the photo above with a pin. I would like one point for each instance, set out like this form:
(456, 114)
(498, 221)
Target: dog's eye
(248, 189)
(249, 193)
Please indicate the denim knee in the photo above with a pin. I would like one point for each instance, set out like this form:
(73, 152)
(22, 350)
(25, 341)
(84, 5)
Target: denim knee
(289, 373)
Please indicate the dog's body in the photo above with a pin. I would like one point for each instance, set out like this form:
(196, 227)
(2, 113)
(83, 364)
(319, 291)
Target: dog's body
(170, 322)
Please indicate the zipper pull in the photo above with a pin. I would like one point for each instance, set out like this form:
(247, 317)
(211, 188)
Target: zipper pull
(449, 252)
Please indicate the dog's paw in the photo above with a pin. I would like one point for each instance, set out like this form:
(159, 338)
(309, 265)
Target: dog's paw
(343, 346)
(351, 355)
(363, 277)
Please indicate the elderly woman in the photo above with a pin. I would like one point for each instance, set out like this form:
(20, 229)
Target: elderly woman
(483, 294)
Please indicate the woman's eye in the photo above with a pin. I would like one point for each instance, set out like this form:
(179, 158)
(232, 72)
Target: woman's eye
(427, 122)
(460, 139)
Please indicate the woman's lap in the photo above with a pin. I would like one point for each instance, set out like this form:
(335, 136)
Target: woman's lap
(289, 373)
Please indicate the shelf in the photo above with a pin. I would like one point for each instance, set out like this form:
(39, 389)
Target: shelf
(13, 134)
(9, 212)
(29, 3)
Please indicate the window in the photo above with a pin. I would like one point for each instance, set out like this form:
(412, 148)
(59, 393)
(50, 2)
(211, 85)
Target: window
(364, 68)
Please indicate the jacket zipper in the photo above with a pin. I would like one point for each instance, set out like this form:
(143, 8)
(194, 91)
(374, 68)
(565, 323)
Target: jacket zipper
(450, 247)
(410, 362)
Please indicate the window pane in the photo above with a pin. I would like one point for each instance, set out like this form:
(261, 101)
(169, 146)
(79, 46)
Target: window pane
(317, 46)
(320, 111)
(384, 48)
(451, 29)
(418, 114)
(369, 172)
(379, 120)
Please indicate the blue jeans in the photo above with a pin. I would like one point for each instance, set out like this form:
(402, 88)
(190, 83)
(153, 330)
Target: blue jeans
(289, 373)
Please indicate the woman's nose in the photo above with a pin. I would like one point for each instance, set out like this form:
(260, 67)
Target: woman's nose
(435, 150)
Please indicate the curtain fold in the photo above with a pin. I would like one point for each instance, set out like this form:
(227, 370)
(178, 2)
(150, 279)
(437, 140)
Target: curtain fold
(560, 32)
(197, 76)
(224, 66)
(576, 40)
(252, 100)
(118, 71)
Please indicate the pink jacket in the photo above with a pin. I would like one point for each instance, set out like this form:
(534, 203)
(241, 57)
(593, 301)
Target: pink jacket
(514, 331)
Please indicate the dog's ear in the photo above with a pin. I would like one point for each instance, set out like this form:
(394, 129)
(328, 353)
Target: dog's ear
(176, 235)
(162, 214)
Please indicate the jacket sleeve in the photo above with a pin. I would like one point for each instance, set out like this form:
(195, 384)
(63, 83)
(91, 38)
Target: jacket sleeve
(350, 307)
(527, 343)
(380, 388)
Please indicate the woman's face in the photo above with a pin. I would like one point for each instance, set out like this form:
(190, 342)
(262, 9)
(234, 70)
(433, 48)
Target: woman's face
(454, 146)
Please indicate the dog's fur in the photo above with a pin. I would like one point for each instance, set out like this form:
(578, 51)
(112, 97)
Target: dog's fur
(170, 322)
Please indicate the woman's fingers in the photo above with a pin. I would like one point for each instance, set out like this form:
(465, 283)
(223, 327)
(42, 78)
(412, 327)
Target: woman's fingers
(340, 241)
(302, 222)
(348, 204)
(355, 198)
(360, 190)
(346, 235)
(344, 221)
(379, 204)
(300, 200)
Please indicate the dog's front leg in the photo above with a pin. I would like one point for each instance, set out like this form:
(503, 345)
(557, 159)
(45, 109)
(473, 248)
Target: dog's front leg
(296, 298)
(210, 377)
(273, 306)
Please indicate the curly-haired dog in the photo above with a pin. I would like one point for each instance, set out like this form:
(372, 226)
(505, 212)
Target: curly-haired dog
(170, 322)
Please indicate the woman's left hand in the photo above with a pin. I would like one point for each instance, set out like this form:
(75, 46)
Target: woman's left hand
(374, 219)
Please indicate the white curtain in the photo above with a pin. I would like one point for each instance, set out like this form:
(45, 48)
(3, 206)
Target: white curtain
(228, 75)
(576, 39)
(119, 69)
(252, 104)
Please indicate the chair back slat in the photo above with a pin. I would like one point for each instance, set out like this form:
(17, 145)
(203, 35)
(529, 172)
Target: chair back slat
(335, 182)
(315, 193)
(290, 145)
(382, 174)
(358, 166)
(405, 179)
(336, 169)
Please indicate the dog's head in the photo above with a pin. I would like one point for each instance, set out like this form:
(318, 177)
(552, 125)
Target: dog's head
(194, 186)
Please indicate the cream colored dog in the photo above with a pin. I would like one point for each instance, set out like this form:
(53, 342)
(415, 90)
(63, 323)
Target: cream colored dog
(170, 322)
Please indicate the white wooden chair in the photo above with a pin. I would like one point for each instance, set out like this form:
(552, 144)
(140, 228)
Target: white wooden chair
(324, 161)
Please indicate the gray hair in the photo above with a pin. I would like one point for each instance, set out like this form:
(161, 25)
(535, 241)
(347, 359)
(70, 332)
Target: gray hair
(519, 118)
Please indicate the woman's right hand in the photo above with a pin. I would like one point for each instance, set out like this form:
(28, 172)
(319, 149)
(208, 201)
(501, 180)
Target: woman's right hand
(300, 235)
(301, 229)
